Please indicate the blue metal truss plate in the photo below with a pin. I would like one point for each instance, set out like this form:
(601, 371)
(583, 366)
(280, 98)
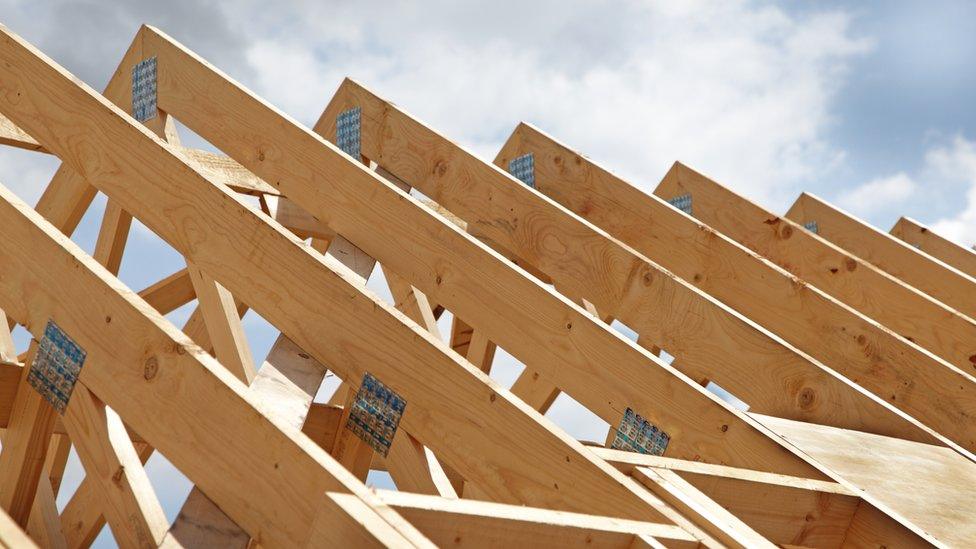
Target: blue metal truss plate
(523, 169)
(144, 90)
(636, 434)
(812, 226)
(682, 202)
(375, 414)
(348, 130)
(56, 367)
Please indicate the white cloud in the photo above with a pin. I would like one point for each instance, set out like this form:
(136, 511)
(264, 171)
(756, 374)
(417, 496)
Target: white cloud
(878, 194)
(740, 89)
(956, 163)
(941, 192)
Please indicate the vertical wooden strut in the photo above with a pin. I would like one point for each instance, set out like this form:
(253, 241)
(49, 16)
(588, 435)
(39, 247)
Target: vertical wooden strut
(25, 446)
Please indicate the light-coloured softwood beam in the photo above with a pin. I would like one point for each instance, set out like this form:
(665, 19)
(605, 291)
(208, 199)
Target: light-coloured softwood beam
(13, 136)
(285, 385)
(675, 490)
(303, 167)
(937, 246)
(170, 293)
(712, 342)
(109, 458)
(112, 237)
(8, 352)
(830, 268)
(168, 390)
(910, 313)
(517, 324)
(913, 266)
(509, 433)
(467, 522)
(12, 536)
(844, 340)
(167, 186)
(25, 443)
(223, 324)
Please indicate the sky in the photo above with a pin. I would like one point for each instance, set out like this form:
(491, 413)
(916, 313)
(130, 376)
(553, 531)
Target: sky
(866, 104)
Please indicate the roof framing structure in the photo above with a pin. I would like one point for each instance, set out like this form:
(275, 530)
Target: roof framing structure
(291, 222)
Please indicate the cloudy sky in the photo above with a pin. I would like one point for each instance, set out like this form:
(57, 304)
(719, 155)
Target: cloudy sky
(867, 104)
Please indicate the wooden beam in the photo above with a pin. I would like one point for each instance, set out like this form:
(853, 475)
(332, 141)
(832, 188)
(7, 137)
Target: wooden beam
(859, 284)
(171, 200)
(785, 510)
(450, 522)
(449, 268)
(167, 390)
(170, 293)
(12, 536)
(112, 237)
(26, 441)
(43, 525)
(915, 267)
(8, 352)
(939, 480)
(127, 498)
(286, 385)
(712, 342)
(349, 449)
(675, 490)
(223, 324)
(849, 343)
(959, 257)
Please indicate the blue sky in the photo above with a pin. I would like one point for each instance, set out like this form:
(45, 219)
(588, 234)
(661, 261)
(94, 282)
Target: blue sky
(867, 104)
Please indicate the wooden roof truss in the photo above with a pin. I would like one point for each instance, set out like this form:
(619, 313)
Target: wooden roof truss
(853, 349)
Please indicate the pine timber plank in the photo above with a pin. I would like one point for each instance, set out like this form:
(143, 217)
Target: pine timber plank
(263, 473)
(710, 340)
(112, 236)
(413, 468)
(106, 452)
(25, 443)
(926, 488)
(8, 352)
(171, 196)
(43, 525)
(913, 232)
(912, 314)
(82, 518)
(354, 203)
(842, 339)
(223, 324)
(181, 110)
(285, 386)
(169, 293)
(675, 490)
(13, 136)
(786, 510)
(452, 521)
(11, 535)
(915, 267)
